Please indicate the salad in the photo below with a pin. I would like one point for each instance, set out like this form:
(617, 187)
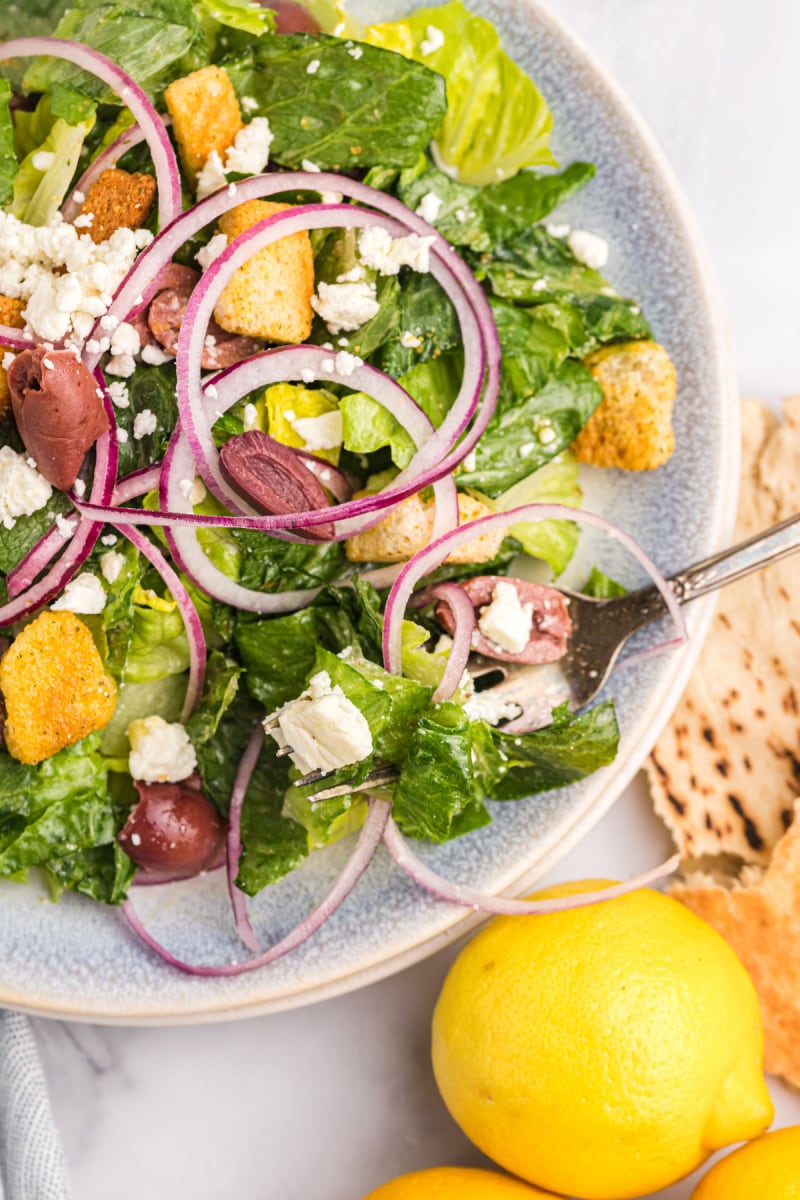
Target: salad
(297, 370)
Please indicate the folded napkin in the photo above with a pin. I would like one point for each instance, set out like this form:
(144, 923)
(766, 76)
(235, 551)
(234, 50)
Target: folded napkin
(32, 1165)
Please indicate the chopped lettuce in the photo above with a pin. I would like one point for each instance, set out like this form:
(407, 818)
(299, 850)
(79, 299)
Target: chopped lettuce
(554, 483)
(352, 111)
(52, 150)
(497, 120)
(240, 15)
(367, 426)
(602, 587)
(8, 159)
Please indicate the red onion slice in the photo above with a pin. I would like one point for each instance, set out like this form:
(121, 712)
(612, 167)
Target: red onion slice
(368, 842)
(138, 483)
(434, 555)
(467, 897)
(168, 179)
(11, 339)
(247, 765)
(463, 612)
(22, 576)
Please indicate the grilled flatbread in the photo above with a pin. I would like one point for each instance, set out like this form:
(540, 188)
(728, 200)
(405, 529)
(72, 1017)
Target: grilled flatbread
(726, 771)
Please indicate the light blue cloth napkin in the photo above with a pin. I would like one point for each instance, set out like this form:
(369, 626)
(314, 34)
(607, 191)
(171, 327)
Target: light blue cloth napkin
(32, 1165)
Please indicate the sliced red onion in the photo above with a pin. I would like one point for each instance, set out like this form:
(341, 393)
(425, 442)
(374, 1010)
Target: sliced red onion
(434, 555)
(463, 612)
(247, 765)
(191, 620)
(11, 339)
(108, 158)
(168, 179)
(20, 577)
(467, 897)
(368, 842)
(83, 540)
(138, 483)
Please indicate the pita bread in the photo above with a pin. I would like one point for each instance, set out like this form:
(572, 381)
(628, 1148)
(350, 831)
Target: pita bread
(726, 771)
(759, 915)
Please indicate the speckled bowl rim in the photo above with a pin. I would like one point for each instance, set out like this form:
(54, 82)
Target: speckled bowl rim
(547, 853)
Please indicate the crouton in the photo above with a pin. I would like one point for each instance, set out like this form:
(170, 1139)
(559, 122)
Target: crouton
(270, 296)
(631, 427)
(10, 315)
(205, 116)
(118, 200)
(55, 688)
(408, 529)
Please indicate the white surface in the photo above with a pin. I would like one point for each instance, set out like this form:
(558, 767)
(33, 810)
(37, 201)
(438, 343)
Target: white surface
(329, 1101)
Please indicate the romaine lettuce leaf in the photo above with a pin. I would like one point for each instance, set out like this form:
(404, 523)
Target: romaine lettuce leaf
(46, 172)
(356, 109)
(150, 388)
(240, 15)
(569, 749)
(497, 120)
(602, 587)
(8, 159)
(554, 483)
(524, 437)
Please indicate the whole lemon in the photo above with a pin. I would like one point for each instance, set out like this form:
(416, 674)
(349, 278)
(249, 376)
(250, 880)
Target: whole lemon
(604, 1051)
(457, 1183)
(767, 1169)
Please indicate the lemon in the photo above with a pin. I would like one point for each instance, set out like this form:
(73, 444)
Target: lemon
(605, 1051)
(457, 1183)
(767, 1169)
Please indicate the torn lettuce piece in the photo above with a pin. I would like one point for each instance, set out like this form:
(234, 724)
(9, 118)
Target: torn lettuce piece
(497, 120)
(569, 749)
(359, 110)
(8, 159)
(554, 483)
(51, 150)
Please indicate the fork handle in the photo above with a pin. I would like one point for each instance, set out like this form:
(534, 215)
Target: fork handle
(761, 550)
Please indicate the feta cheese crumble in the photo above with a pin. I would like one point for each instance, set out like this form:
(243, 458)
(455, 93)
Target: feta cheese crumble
(111, 564)
(506, 621)
(345, 305)
(410, 340)
(386, 255)
(324, 729)
(429, 207)
(84, 594)
(144, 423)
(23, 490)
(588, 248)
(160, 752)
(485, 706)
(249, 155)
(320, 433)
(211, 252)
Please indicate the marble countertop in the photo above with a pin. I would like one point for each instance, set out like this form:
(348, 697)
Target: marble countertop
(331, 1100)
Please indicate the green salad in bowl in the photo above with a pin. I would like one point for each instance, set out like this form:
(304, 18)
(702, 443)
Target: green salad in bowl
(297, 372)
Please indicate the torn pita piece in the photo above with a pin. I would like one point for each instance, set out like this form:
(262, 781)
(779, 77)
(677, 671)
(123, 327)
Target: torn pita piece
(759, 915)
(726, 771)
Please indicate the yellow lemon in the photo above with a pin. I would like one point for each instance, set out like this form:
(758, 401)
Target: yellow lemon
(457, 1183)
(604, 1051)
(767, 1169)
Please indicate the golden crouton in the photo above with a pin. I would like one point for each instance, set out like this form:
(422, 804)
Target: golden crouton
(118, 200)
(631, 427)
(55, 689)
(205, 116)
(10, 315)
(270, 296)
(408, 529)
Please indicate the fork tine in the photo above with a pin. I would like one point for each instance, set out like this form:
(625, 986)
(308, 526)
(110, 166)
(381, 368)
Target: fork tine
(381, 776)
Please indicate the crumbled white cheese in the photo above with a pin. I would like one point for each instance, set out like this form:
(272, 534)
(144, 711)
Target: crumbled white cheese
(111, 564)
(121, 365)
(84, 221)
(109, 539)
(345, 305)
(310, 166)
(84, 594)
(507, 622)
(588, 248)
(144, 423)
(307, 375)
(211, 252)
(324, 729)
(526, 448)
(410, 340)
(22, 489)
(429, 207)
(434, 40)
(557, 230)
(122, 436)
(43, 160)
(8, 359)
(125, 339)
(355, 52)
(193, 490)
(250, 416)
(354, 275)
(470, 461)
(313, 67)
(154, 356)
(248, 155)
(160, 752)
(386, 255)
(118, 391)
(320, 433)
(346, 363)
(79, 488)
(65, 527)
(485, 706)
(65, 280)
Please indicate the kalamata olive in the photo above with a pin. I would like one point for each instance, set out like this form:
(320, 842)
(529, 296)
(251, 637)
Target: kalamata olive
(173, 829)
(291, 18)
(58, 411)
(550, 627)
(273, 478)
(220, 350)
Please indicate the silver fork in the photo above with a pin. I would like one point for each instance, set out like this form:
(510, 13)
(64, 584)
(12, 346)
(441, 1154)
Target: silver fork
(600, 629)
